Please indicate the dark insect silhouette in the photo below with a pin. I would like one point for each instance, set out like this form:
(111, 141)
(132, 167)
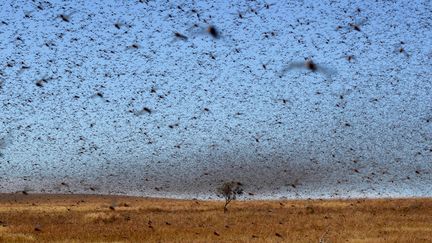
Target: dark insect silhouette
(267, 5)
(65, 18)
(402, 50)
(41, 82)
(134, 46)
(180, 36)
(213, 32)
(308, 64)
(355, 27)
(142, 111)
(350, 58)
(311, 65)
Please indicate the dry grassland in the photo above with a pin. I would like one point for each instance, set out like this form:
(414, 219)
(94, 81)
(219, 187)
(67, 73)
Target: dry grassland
(84, 218)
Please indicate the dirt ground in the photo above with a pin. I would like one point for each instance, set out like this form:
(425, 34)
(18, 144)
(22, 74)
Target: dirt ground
(90, 218)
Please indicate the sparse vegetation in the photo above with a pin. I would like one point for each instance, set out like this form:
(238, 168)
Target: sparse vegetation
(79, 218)
(229, 191)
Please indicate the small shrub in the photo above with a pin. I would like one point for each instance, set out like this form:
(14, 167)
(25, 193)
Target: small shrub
(229, 191)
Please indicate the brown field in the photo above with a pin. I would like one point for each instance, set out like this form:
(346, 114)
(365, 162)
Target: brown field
(84, 218)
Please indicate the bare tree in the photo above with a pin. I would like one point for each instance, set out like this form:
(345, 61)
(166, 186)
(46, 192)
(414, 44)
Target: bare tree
(229, 191)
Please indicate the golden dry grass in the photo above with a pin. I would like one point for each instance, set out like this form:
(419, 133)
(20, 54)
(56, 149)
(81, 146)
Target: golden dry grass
(84, 218)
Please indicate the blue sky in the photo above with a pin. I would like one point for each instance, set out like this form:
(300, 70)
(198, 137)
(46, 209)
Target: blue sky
(76, 76)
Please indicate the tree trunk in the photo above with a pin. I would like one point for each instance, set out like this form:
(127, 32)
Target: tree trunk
(226, 205)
